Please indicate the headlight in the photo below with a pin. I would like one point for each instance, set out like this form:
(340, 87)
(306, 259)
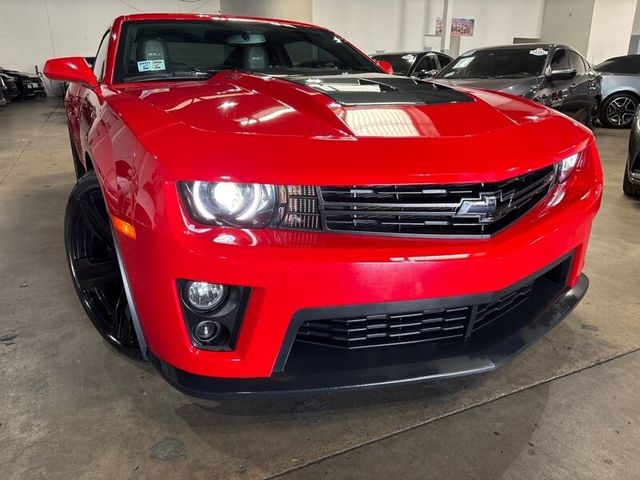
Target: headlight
(567, 166)
(229, 203)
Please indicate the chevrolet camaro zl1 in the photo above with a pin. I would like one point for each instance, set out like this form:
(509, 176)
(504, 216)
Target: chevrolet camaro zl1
(262, 208)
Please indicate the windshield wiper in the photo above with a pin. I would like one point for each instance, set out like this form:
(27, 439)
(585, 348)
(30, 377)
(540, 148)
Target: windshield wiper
(195, 74)
(516, 75)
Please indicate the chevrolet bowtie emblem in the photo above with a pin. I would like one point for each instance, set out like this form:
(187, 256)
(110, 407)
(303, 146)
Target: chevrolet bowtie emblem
(485, 208)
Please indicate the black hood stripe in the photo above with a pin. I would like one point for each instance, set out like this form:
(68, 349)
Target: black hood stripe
(380, 89)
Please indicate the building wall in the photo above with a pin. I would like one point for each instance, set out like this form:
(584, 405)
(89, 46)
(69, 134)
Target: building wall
(400, 25)
(568, 22)
(299, 10)
(33, 30)
(611, 28)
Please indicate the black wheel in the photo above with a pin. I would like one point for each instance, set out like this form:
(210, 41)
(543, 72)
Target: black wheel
(93, 263)
(618, 110)
(629, 188)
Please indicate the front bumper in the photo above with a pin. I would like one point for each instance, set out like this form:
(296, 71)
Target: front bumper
(32, 87)
(315, 369)
(292, 272)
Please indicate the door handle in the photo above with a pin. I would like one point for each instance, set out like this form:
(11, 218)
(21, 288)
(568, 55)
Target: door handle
(572, 86)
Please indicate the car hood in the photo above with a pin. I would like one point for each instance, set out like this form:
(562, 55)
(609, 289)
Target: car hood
(513, 86)
(382, 126)
(367, 105)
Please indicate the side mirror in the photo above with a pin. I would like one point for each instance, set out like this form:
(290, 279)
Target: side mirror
(426, 73)
(564, 74)
(385, 66)
(70, 69)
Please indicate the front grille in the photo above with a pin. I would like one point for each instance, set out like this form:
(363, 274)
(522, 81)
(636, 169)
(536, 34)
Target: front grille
(450, 210)
(449, 324)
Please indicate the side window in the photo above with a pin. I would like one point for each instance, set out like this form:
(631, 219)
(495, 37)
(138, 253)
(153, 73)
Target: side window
(426, 63)
(444, 60)
(576, 62)
(101, 57)
(634, 63)
(560, 60)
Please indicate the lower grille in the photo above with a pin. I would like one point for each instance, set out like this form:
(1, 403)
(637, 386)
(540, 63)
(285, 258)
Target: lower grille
(450, 324)
(490, 312)
(376, 330)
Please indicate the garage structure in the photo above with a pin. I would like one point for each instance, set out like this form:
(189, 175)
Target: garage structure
(71, 407)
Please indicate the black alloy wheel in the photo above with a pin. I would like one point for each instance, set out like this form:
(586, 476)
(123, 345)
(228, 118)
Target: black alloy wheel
(618, 110)
(93, 262)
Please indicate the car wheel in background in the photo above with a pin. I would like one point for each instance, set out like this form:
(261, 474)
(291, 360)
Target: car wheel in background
(618, 110)
(93, 262)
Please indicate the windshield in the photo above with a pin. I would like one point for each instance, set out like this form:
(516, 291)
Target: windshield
(400, 62)
(498, 63)
(188, 50)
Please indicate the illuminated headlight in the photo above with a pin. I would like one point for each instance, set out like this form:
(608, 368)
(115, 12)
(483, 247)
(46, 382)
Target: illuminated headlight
(229, 203)
(567, 166)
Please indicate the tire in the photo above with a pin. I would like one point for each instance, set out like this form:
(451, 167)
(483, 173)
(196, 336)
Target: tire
(93, 264)
(618, 110)
(629, 188)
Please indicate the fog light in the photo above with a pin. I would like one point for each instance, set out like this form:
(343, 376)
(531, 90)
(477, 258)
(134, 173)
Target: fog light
(203, 296)
(206, 331)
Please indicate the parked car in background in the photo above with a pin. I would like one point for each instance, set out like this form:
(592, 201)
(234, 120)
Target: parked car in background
(415, 64)
(554, 75)
(29, 84)
(631, 180)
(11, 85)
(3, 91)
(620, 90)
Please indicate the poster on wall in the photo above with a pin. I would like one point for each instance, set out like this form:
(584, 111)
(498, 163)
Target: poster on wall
(460, 27)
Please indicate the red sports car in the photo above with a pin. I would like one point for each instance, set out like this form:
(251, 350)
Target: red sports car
(260, 207)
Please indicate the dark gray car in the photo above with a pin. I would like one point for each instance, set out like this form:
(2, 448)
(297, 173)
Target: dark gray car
(555, 75)
(620, 90)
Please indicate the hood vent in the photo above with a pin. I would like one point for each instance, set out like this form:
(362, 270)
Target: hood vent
(379, 89)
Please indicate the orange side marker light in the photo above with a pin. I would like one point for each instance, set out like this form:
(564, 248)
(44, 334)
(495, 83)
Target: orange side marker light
(124, 227)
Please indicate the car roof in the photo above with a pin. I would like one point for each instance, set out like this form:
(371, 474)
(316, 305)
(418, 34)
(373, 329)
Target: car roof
(138, 17)
(525, 45)
(631, 55)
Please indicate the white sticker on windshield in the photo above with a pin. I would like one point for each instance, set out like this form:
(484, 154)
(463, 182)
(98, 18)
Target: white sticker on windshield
(151, 65)
(409, 57)
(463, 62)
(539, 52)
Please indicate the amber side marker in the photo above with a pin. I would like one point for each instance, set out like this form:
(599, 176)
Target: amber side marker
(124, 227)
